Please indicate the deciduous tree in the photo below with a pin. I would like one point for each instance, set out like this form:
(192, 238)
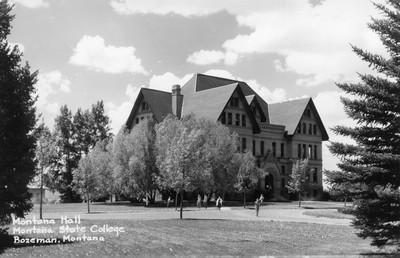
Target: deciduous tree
(299, 181)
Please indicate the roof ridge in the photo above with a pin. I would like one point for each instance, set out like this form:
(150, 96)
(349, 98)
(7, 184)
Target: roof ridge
(145, 88)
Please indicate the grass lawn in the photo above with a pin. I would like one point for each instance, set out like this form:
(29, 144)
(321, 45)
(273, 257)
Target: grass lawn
(193, 237)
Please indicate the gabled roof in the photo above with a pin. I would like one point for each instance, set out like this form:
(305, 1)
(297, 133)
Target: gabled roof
(160, 103)
(201, 82)
(289, 114)
(212, 102)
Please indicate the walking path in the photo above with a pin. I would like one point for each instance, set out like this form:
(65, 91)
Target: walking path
(278, 212)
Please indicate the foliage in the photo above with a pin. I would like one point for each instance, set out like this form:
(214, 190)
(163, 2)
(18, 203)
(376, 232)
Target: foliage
(247, 173)
(45, 151)
(299, 181)
(135, 161)
(371, 165)
(18, 119)
(76, 135)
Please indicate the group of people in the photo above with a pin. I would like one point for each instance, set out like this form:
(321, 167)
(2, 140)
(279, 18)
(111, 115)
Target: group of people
(218, 202)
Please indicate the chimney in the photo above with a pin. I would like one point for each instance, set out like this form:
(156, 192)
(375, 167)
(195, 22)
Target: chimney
(177, 99)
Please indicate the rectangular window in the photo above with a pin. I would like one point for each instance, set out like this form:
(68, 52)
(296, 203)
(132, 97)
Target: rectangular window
(262, 148)
(145, 106)
(315, 152)
(229, 118)
(315, 175)
(310, 129)
(237, 119)
(299, 128)
(283, 169)
(315, 129)
(310, 149)
(234, 102)
(305, 151)
(244, 143)
(283, 183)
(223, 118)
(254, 147)
(137, 120)
(299, 150)
(304, 128)
(282, 150)
(274, 149)
(244, 120)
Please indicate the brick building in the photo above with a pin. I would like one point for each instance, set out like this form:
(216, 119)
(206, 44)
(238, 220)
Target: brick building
(277, 134)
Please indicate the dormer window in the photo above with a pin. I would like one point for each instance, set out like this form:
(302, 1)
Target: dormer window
(145, 106)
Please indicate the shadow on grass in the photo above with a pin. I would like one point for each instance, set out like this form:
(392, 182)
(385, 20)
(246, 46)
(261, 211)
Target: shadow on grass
(7, 241)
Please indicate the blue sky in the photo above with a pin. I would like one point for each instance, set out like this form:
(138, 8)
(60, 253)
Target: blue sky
(90, 50)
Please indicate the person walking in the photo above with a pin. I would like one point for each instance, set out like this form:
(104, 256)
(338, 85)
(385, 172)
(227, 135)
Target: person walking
(205, 201)
(198, 201)
(257, 206)
(261, 199)
(219, 202)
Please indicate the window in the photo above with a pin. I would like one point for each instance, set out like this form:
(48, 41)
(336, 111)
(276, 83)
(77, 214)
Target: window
(145, 106)
(299, 128)
(310, 129)
(315, 175)
(304, 128)
(282, 150)
(223, 119)
(137, 120)
(234, 102)
(274, 149)
(310, 148)
(315, 129)
(262, 148)
(244, 143)
(283, 169)
(244, 120)
(237, 120)
(254, 147)
(305, 151)
(315, 152)
(283, 183)
(229, 118)
(299, 150)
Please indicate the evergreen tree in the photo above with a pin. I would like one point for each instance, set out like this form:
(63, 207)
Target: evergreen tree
(17, 122)
(371, 165)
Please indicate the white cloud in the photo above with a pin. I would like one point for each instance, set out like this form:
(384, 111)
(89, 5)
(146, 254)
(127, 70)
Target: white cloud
(50, 84)
(332, 113)
(165, 81)
(313, 40)
(31, 3)
(92, 53)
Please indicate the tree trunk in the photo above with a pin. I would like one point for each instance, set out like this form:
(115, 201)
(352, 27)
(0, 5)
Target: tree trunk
(244, 199)
(88, 203)
(41, 193)
(181, 204)
(345, 201)
(176, 201)
(299, 199)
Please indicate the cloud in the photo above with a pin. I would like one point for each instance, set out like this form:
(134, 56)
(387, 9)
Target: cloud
(332, 113)
(30, 3)
(92, 53)
(50, 84)
(276, 95)
(165, 81)
(313, 40)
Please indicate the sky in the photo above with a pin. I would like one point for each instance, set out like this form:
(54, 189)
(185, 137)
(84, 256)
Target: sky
(91, 50)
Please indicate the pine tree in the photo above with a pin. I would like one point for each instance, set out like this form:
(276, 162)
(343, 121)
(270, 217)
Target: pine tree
(372, 165)
(17, 122)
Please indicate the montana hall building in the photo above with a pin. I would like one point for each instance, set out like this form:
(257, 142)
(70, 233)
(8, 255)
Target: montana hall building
(277, 134)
